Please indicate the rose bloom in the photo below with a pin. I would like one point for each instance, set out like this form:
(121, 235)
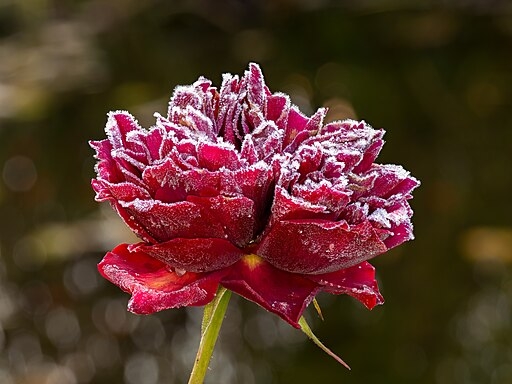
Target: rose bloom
(237, 187)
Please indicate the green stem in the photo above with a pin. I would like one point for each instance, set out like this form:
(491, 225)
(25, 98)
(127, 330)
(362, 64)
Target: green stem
(212, 321)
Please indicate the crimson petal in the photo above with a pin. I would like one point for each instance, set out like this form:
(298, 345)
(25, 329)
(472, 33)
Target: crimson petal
(235, 214)
(196, 255)
(357, 281)
(153, 285)
(285, 294)
(167, 221)
(319, 246)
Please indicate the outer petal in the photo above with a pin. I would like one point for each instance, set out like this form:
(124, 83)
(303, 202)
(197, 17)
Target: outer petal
(197, 255)
(285, 294)
(153, 285)
(357, 281)
(319, 246)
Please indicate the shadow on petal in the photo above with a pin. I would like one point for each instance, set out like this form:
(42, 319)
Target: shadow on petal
(283, 293)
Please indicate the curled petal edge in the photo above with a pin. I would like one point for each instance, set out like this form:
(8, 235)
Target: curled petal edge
(153, 285)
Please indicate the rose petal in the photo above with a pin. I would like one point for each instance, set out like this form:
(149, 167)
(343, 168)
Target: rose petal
(357, 281)
(153, 285)
(296, 123)
(123, 191)
(278, 107)
(213, 157)
(401, 234)
(137, 228)
(167, 221)
(287, 207)
(388, 178)
(285, 294)
(319, 246)
(236, 215)
(196, 255)
(169, 183)
(256, 94)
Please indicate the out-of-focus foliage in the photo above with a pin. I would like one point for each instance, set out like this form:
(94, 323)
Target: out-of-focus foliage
(436, 74)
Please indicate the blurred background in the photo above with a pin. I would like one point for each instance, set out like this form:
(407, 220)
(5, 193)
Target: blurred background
(437, 75)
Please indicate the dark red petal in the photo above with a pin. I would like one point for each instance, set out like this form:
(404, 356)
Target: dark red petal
(255, 183)
(169, 183)
(256, 86)
(248, 151)
(278, 107)
(286, 207)
(267, 140)
(357, 281)
(106, 167)
(388, 178)
(235, 214)
(319, 246)
(184, 96)
(119, 125)
(404, 187)
(315, 122)
(196, 255)
(120, 191)
(137, 228)
(213, 157)
(285, 294)
(153, 285)
(333, 199)
(369, 156)
(167, 221)
(297, 121)
(401, 234)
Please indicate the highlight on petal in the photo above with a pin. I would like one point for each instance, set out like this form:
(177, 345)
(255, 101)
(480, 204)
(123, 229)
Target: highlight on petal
(155, 286)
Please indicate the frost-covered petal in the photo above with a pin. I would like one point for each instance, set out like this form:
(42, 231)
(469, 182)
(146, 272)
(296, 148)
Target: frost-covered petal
(153, 285)
(235, 214)
(167, 221)
(169, 183)
(214, 157)
(319, 246)
(357, 281)
(119, 125)
(196, 254)
(285, 294)
(123, 191)
(287, 207)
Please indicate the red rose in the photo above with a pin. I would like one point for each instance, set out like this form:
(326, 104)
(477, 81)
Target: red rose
(237, 187)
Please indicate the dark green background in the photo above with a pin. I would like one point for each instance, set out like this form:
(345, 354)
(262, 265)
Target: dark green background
(436, 75)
